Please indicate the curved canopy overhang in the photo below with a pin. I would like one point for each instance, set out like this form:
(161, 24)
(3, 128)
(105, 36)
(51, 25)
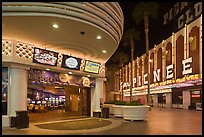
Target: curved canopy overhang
(32, 22)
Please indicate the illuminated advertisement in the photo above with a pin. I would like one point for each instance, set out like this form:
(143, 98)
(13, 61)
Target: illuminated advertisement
(4, 89)
(45, 57)
(71, 62)
(91, 67)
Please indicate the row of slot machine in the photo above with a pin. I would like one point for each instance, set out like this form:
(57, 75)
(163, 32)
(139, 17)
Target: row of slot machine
(47, 102)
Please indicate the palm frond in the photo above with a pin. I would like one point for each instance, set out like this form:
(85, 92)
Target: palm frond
(145, 8)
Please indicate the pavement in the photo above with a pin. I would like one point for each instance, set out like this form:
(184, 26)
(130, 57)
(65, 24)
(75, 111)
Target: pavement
(159, 122)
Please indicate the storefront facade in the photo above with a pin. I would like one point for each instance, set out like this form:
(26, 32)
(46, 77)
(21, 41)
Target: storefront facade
(70, 57)
(175, 69)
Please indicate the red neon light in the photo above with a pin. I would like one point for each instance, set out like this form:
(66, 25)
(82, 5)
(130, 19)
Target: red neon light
(195, 96)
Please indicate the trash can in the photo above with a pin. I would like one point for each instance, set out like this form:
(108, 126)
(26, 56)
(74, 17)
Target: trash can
(12, 121)
(96, 114)
(105, 112)
(22, 119)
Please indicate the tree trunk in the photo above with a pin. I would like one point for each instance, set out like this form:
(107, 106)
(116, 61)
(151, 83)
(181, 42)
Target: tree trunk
(131, 68)
(146, 25)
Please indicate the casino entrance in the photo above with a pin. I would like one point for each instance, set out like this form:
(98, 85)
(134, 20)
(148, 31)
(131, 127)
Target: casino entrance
(48, 101)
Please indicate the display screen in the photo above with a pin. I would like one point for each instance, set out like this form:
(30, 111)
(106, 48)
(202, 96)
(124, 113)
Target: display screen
(45, 57)
(71, 62)
(91, 67)
(38, 102)
(33, 102)
(43, 102)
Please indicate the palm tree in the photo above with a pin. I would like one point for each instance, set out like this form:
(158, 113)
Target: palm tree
(129, 38)
(118, 60)
(143, 11)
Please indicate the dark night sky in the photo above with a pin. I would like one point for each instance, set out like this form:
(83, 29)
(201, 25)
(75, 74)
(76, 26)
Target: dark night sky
(157, 31)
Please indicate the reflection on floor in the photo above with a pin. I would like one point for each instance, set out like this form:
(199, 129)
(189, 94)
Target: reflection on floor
(53, 115)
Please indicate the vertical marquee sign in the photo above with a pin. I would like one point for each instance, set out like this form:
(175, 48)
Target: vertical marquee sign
(4, 90)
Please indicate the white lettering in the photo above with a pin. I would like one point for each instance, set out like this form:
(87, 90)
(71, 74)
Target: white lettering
(121, 85)
(134, 82)
(169, 71)
(124, 85)
(139, 81)
(145, 77)
(186, 66)
(157, 75)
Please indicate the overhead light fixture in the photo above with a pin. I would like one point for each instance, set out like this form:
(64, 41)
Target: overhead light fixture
(47, 69)
(88, 76)
(98, 37)
(104, 51)
(55, 26)
(69, 72)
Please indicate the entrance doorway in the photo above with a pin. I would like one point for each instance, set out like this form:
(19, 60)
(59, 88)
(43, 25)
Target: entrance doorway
(52, 97)
(78, 99)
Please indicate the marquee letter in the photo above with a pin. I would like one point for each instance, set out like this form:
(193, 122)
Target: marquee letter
(134, 81)
(169, 71)
(139, 80)
(176, 8)
(186, 67)
(198, 8)
(180, 21)
(189, 16)
(170, 14)
(157, 75)
(183, 5)
(165, 18)
(145, 76)
(121, 85)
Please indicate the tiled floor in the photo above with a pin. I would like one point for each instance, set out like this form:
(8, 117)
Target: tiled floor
(159, 122)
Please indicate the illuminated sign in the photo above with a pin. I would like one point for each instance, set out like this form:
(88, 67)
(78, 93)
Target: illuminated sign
(190, 13)
(71, 62)
(91, 67)
(156, 74)
(195, 96)
(45, 57)
(86, 82)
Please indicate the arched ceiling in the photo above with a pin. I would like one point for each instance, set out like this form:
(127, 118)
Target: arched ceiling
(67, 39)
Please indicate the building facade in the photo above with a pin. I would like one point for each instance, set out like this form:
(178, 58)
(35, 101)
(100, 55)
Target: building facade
(69, 55)
(175, 69)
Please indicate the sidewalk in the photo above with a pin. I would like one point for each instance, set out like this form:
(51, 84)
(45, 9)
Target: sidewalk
(159, 122)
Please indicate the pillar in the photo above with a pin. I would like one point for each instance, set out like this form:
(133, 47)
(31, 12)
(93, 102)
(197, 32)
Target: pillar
(168, 100)
(155, 103)
(18, 89)
(186, 99)
(96, 94)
